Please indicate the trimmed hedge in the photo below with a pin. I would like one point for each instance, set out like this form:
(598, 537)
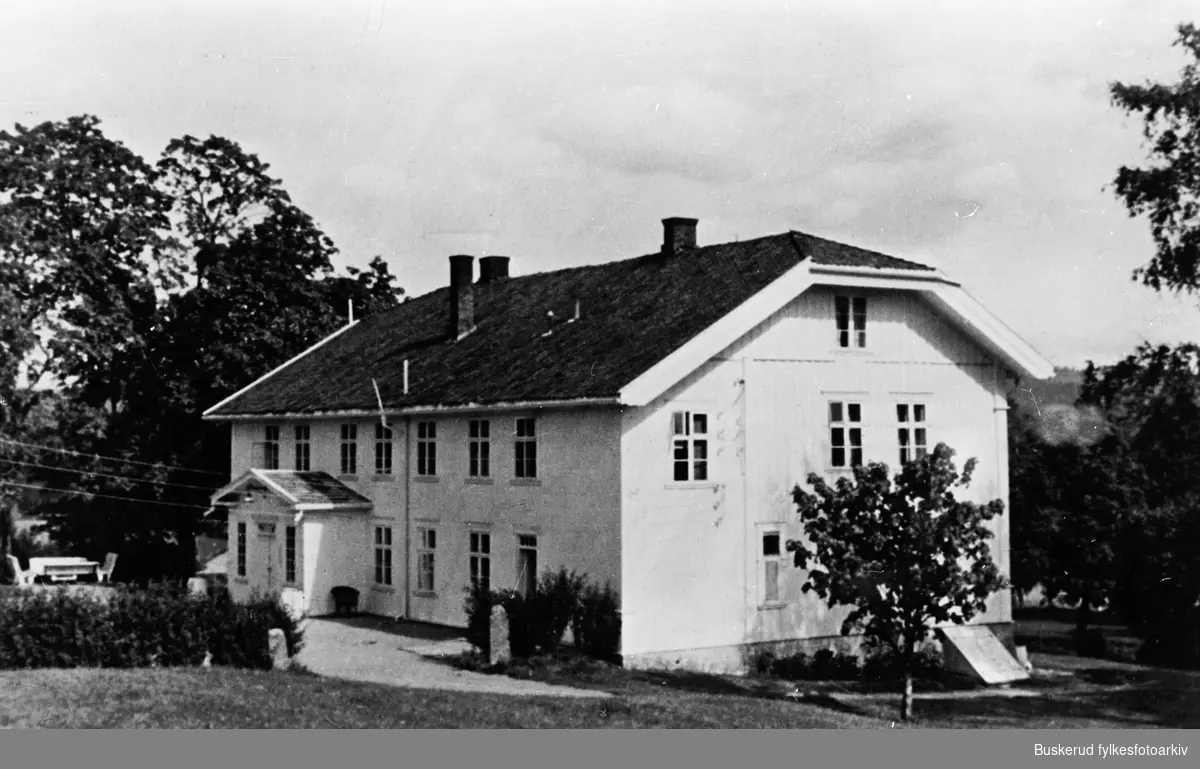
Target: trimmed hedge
(163, 625)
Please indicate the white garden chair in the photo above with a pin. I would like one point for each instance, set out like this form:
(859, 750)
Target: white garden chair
(104, 573)
(23, 577)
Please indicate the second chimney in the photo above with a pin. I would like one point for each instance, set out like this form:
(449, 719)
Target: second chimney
(493, 268)
(462, 295)
(678, 234)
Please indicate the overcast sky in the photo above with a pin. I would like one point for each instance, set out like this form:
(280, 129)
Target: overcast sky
(976, 137)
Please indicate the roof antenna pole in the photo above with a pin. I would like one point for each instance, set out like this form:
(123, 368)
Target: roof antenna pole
(379, 400)
(350, 304)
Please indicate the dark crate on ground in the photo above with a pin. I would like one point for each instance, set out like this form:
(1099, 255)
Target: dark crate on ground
(345, 600)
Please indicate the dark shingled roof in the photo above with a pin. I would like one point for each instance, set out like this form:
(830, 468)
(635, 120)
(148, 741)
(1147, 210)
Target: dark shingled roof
(315, 488)
(634, 313)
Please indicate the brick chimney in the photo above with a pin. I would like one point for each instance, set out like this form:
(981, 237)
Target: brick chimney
(678, 234)
(493, 268)
(462, 295)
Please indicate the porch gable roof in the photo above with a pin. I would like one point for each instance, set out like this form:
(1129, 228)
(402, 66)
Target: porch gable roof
(302, 491)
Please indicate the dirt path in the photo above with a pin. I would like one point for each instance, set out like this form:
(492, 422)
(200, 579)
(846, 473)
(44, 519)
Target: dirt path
(405, 654)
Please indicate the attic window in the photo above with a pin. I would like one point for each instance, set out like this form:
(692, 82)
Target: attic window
(689, 445)
(850, 314)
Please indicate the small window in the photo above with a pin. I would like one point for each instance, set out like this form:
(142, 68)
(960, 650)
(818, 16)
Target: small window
(527, 563)
(349, 449)
(241, 548)
(481, 560)
(303, 448)
(771, 562)
(479, 433)
(426, 548)
(383, 555)
(690, 446)
(526, 448)
(850, 314)
(426, 448)
(383, 450)
(845, 434)
(911, 433)
(289, 555)
(267, 452)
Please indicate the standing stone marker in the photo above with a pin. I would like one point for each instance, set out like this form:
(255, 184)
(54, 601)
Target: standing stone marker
(498, 650)
(279, 651)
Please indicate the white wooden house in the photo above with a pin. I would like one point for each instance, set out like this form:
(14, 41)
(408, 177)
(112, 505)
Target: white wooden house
(641, 421)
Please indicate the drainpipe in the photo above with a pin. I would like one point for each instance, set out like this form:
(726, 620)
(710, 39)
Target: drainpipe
(408, 548)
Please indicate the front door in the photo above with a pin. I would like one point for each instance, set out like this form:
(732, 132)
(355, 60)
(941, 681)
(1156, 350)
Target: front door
(268, 546)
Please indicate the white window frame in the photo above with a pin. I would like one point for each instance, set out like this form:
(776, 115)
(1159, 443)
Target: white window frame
(842, 432)
(479, 448)
(349, 449)
(291, 555)
(912, 433)
(479, 549)
(303, 448)
(690, 453)
(426, 559)
(525, 448)
(382, 574)
(271, 447)
(383, 450)
(427, 449)
(771, 593)
(243, 548)
(850, 324)
(527, 542)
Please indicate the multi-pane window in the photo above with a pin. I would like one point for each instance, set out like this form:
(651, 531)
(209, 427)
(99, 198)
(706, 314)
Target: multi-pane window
(851, 315)
(271, 447)
(690, 445)
(383, 450)
(481, 560)
(303, 448)
(526, 448)
(426, 550)
(426, 448)
(289, 555)
(241, 548)
(911, 431)
(527, 564)
(349, 449)
(770, 558)
(480, 448)
(845, 434)
(383, 555)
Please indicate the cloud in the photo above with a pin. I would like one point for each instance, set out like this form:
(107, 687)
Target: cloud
(677, 128)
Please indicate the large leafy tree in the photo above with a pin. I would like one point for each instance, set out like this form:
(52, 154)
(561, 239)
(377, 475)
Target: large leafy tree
(1167, 190)
(903, 551)
(81, 225)
(102, 242)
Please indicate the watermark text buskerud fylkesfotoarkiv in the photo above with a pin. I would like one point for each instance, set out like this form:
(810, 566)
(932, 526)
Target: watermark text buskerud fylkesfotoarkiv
(1109, 750)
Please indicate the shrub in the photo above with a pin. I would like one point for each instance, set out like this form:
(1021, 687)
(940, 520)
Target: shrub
(833, 666)
(478, 607)
(882, 663)
(127, 627)
(597, 623)
(793, 667)
(538, 621)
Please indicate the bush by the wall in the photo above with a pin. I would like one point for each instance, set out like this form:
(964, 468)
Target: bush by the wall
(883, 664)
(597, 623)
(538, 621)
(126, 627)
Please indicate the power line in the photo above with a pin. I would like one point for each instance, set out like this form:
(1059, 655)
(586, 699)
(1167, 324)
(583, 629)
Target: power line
(109, 458)
(108, 475)
(105, 496)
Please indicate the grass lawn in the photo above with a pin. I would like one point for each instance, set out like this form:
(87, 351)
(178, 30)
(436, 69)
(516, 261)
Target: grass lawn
(1088, 697)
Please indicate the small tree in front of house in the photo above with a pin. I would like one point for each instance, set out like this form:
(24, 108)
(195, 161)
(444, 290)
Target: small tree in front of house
(903, 551)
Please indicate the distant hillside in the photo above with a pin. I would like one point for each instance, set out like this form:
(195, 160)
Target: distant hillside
(1061, 389)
